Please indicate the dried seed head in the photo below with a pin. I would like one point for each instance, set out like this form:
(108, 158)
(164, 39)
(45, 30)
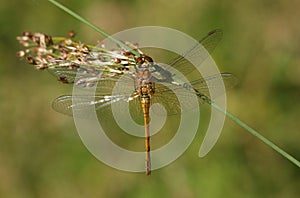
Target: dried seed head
(85, 49)
(31, 60)
(48, 40)
(68, 41)
(28, 34)
(43, 52)
(21, 54)
(71, 34)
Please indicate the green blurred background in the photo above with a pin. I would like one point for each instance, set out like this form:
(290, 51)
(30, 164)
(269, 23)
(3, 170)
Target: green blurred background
(41, 154)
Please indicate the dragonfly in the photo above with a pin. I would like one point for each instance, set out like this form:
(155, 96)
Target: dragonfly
(145, 82)
(142, 82)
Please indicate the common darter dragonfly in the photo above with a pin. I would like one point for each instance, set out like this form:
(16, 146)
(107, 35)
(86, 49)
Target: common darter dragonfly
(144, 81)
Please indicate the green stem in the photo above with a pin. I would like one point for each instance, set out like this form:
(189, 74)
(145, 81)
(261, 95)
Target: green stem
(229, 115)
(94, 27)
(255, 133)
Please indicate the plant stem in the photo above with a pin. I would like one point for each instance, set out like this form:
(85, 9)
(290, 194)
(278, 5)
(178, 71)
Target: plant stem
(229, 115)
(94, 27)
(254, 132)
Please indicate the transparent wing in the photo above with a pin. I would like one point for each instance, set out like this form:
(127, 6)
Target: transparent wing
(67, 103)
(111, 91)
(209, 42)
(64, 74)
(166, 93)
(203, 85)
(81, 105)
(115, 84)
(122, 91)
(86, 71)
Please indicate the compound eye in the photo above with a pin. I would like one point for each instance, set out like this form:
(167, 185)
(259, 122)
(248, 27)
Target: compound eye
(148, 59)
(139, 60)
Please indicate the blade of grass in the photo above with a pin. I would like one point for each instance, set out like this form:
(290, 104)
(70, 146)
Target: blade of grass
(67, 10)
(252, 131)
(229, 115)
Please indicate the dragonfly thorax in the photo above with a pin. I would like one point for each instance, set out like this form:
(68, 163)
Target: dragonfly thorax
(144, 63)
(144, 85)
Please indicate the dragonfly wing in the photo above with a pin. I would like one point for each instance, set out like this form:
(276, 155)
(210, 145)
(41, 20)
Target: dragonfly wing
(85, 71)
(170, 94)
(198, 52)
(214, 84)
(64, 74)
(123, 84)
(174, 98)
(80, 106)
(87, 78)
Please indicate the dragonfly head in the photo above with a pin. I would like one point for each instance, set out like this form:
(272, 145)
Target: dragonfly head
(144, 61)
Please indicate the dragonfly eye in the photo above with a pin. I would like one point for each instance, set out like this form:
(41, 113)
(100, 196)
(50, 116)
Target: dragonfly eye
(148, 59)
(139, 60)
(144, 61)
